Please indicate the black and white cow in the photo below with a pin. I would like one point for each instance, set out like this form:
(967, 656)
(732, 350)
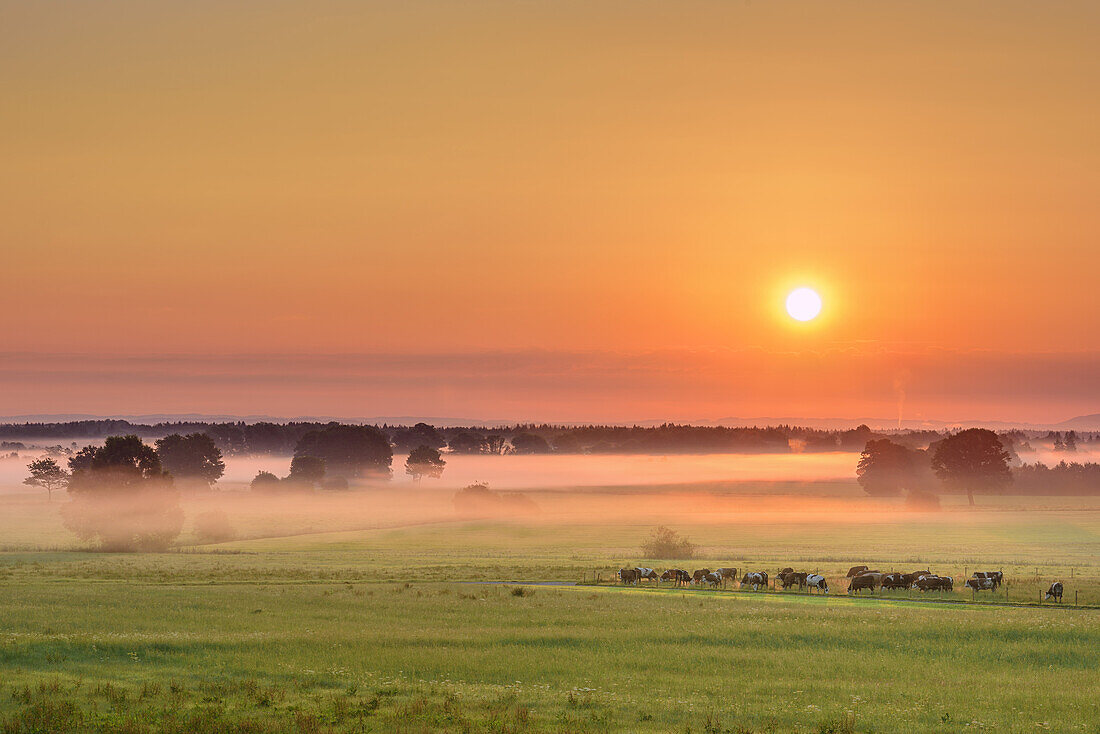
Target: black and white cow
(997, 577)
(755, 579)
(978, 583)
(817, 581)
(895, 581)
(1055, 591)
(648, 574)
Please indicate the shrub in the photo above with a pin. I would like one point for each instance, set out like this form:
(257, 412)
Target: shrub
(667, 543)
(265, 481)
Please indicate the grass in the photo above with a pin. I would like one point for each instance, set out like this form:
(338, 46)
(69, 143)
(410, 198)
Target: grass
(376, 628)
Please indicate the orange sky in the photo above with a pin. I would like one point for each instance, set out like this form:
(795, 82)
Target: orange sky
(607, 179)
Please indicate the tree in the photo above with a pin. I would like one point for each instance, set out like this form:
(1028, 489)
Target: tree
(467, 442)
(886, 468)
(122, 461)
(194, 457)
(424, 461)
(353, 451)
(122, 497)
(973, 459)
(530, 443)
(45, 473)
(422, 434)
(307, 470)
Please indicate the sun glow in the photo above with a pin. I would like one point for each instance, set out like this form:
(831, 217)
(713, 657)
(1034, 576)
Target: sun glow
(803, 304)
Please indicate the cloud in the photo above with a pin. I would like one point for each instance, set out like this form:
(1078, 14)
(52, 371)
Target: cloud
(866, 380)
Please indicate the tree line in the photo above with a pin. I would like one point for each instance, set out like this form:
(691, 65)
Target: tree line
(237, 438)
(973, 461)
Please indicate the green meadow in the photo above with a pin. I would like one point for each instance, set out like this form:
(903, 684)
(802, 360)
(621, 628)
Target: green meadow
(318, 621)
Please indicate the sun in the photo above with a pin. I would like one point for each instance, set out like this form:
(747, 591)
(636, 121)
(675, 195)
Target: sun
(803, 304)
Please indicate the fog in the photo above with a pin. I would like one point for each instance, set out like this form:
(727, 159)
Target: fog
(568, 470)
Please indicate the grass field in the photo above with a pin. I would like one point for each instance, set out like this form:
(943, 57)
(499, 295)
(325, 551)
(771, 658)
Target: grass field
(297, 627)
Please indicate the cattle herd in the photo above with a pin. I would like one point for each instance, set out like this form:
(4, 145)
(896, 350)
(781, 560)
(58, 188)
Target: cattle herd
(860, 578)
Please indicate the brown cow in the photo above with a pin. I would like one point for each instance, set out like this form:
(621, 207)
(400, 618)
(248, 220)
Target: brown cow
(629, 575)
(678, 575)
(727, 573)
(698, 575)
(856, 571)
(871, 580)
(791, 578)
(911, 578)
(1055, 591)
(934, 583)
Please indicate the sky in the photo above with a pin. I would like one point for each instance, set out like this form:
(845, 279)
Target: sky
(568, 211)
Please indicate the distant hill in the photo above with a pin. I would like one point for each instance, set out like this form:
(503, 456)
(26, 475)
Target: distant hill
(1081, 423)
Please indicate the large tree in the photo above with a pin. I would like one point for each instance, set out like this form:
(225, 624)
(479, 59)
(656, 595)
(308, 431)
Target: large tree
(46, 473)
(972, 460)
(307, 470)
(424, 461)
(887, 469)
(122, 497)
(350, 451)
(194, 457)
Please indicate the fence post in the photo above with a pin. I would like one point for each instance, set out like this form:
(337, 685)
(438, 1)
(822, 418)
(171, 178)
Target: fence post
(1074, 597)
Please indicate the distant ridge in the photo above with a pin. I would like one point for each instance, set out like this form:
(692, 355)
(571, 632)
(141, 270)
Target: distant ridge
(1078, 423)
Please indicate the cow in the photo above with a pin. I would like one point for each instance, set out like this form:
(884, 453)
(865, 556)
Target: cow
(981, 584)
(911, 578)
(996, 577)
(856, 571)
(1055, 591)
(648, 574)
(678, 575)
(712, 579)
(629, 575)
(934, 583)
(895, 581)
(870, 580)
(727, 573)
(698, 574)
(817, 581)
(782, 571)
(791, 578)
(755, 579)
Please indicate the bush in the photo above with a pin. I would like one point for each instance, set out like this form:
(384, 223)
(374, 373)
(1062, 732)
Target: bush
(214, 527)
(265, 481)
(667, 543)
